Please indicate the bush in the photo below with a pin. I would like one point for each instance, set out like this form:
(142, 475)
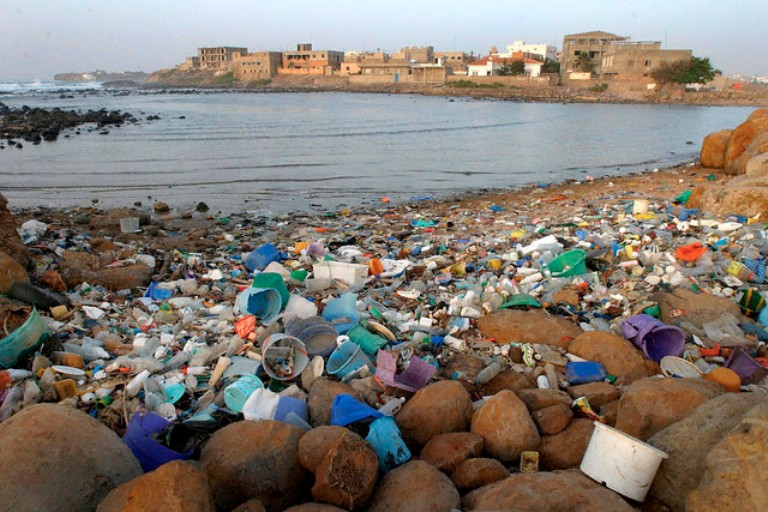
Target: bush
(470, 84)
(225, 79)
(598, 88)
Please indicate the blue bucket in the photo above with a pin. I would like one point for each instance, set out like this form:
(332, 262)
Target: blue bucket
(347, 358)
(385, 438)
(261, 257)
(263, 303)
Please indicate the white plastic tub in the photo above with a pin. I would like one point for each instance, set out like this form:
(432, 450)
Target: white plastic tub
(623, 463)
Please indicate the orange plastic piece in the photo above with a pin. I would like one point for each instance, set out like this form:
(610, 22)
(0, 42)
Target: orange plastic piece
(726, 377)
(321, 230)
(375, 267)
(300, 246)
(245, 326)
(710, 352)
(690, 252)
(385, 199)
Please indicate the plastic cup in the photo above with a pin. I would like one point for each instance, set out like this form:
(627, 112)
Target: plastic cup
(748, 370)
(284, 357)
(655, 338)
(342, 312)
(347, 358)
(263, 303)
(237, 393)
(275, 281)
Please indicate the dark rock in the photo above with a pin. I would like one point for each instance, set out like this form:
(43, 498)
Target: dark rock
(475, 473)
(321, 396)
(552, 419)
(348, 474)
(415, 486)
(566, 449)
(528, 327)
(447, 451)
(518, 433)
(436, 409)
(315, 444)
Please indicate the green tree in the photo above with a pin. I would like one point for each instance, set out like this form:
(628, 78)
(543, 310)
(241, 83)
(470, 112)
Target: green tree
(550, 66)
(584, 63)
(516, 68)
(697, 71)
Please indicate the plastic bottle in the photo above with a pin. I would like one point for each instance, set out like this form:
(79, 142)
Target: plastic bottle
(133, 387)
(392, 406)
(488, 373)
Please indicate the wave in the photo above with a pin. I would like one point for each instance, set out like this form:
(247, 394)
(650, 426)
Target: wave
(30, 86)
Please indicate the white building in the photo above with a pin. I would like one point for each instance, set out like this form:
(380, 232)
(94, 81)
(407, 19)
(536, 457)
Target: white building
(490, 66)
(545, 51)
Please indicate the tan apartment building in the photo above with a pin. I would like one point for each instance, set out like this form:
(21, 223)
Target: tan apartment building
(635, 60)
(250, 67)
(594, 44)
(306, 61)
(456, 61)
(420, 54)
(218, 57)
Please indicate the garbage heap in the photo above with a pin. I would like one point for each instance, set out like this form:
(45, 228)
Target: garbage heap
(435, 355)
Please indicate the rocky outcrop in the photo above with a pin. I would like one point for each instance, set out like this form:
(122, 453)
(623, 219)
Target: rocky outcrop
(650, 405)
(528, 327)
(79, 267)
(552, 419)
(742, 137)
(57, 458)
(683, 305)
(735, 469)
(688, 442)
(436, 409)
(10, 241)
(619, 357)
(713, 149)
(315, 444)
(11, 271)
(546, 492)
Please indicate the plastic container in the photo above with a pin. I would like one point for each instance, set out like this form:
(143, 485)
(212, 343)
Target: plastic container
(411, 379)
(237, 393)
(751, 303)
(726, 377)
(139, 436)
(346, 409)
(261, 405)
(284, 357)
(386, 440)
(347, 358)
(24, 340)
(570, 263)
(655, 338)
(748, 370)
(263, 303)
(317, 334)
(261, 257)
(581, 372)
(342, 312)
(274, 281)
(289, 405)
(621, 462)
(673, 366)
(348, 274)
(129, 224)
(368, 341)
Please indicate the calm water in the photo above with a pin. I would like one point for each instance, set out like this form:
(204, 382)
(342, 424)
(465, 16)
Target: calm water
(313, 151)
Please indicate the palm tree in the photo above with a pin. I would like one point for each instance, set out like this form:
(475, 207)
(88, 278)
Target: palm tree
(584, 63)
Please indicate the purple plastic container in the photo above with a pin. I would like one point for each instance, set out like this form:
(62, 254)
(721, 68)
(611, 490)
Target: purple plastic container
(412, 379)
(138, 437)
(747, 368)
(655, 338)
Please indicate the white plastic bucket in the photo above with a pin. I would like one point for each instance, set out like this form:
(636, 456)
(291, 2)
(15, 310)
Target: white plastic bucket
(623, 463)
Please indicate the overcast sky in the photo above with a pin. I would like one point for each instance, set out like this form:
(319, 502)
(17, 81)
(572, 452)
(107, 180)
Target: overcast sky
(39, 38)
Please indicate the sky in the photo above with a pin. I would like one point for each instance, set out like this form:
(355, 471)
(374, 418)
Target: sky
(39, 38)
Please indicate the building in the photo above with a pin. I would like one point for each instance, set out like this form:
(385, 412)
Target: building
(190, 63)
(634, 60)
(538, 51)
(492, 64)
(418, 54)
(456, 62)
(218, 57)
(594, 44)
(249, 67)
(306, 61)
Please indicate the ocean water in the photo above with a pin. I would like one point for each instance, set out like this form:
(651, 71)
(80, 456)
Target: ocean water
(280, 152)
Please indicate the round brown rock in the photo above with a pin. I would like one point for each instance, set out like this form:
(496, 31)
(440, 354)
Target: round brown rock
(314, 507)
(546, 492)
(713, 149)
(255, 459)
(506, 426)
(315, 444)
(553, 419)
(618, 355)
(475, 473)
(348, 474)
(320, 400)
(508, 379)
(415, 486)
(528, 327)
(439, 408)
(566, 449)
(178, 486)
(11, 272)
(53, 457)
(447, 451)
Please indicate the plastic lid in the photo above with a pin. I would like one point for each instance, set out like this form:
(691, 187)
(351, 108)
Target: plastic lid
(673, 366)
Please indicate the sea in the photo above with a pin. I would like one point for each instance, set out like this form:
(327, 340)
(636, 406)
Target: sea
(276, 152)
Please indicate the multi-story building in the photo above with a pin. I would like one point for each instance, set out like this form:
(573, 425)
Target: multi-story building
(218, 57)
(306, 61)
(631, 60)
(250, 67)
(420, 54)
(539, 51)
(491, 65)
(455, 61)
(593, 44)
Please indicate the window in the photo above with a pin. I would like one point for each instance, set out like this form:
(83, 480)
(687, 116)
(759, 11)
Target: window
(647, 63)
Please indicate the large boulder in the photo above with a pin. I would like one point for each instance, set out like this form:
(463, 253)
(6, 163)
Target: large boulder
(79, 267)
(552, 419)
(735, 469)
(348, 474)
(57, 458)
(415, 486)
(742, 137)
(534, 326)
(536, 398)
(436, 409)
(650, 405)
(255, 459)
(475, 473)
(743, 198)
(596, 393)
(10, 241)
(688, 441)
(546, 492)
(178, 486)
(682, 305)
(447, 451)
(11, 271)
(619, 357)
(321, 396)
(566, 449)
(506, 426)
(757, 166)
(713, 149)
(315, 445)
(507, 379)
(758, 147)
